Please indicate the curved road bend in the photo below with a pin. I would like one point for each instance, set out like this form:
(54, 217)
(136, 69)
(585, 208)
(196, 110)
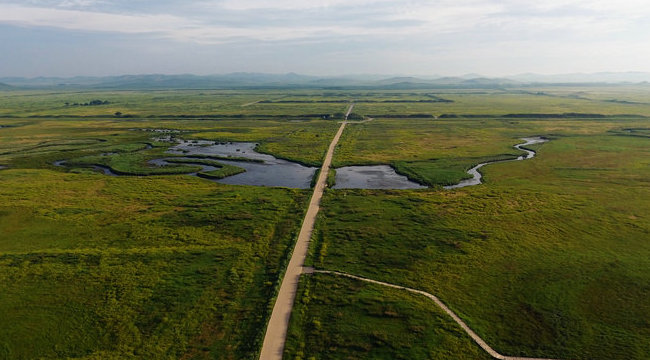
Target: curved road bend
(477, 339)
(276, 330)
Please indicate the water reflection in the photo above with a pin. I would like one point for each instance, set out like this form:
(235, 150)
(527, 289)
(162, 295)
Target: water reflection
(372, 177)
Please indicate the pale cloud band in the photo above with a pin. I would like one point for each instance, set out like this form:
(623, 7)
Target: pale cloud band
(207, 23)
(401, 34)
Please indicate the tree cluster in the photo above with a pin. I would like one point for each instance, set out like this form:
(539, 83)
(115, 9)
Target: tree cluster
(90, 103)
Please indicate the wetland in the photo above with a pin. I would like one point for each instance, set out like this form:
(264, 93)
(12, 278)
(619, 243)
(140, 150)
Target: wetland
(547, 258)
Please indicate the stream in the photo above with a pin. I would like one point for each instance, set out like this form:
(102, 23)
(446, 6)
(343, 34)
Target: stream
(267, 170)
(476, 175)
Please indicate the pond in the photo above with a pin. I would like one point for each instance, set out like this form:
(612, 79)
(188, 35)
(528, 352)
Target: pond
(372, 177)
(267, 170)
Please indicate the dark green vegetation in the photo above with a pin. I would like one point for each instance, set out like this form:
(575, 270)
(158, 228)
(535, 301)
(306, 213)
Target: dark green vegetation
(340, 318)
(447, 171)
(155, 267)
(548, 258)
(130, 163)
(224, 170)
(100, 267)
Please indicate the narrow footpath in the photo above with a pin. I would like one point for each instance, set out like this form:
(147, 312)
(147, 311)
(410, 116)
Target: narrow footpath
(276, 331)
(477, 339)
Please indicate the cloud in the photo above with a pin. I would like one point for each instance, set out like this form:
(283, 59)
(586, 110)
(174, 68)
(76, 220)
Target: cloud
(280, 20)
(175, 27)
(88, 20)
(296, 5)
(369, 34)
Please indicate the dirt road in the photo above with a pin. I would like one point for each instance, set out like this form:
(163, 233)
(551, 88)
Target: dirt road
(347, 113)
(276, 331)
(477, 339)
(251, 103)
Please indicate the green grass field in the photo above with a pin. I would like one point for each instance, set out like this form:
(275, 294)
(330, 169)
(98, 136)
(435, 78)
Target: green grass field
(156, 267)
(152, 267)
(339, 318)
(607, 100)
(548, 258)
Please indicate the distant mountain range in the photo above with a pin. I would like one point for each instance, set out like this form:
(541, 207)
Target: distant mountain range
(291, 80)
(602, 77)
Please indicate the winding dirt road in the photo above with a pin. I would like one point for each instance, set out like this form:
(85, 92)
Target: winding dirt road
(276, 331)
(477, 339)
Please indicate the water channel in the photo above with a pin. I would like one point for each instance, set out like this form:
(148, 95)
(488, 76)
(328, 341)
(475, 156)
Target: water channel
(476, 175)
(267, 170)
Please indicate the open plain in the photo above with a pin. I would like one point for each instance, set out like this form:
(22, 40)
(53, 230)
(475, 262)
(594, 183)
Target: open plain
(108, 253)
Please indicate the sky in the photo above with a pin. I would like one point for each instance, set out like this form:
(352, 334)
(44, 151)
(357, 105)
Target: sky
(322, 37)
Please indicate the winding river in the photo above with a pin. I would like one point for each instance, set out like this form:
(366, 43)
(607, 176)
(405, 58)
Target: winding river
(476, 175)
(103, 169)
(267, 170)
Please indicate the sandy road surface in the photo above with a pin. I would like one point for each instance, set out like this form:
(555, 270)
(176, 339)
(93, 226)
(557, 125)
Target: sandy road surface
(347, 113)
(251, 103)
(276, 331)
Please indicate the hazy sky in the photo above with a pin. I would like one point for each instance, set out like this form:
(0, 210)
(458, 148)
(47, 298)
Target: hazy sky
(322, 37)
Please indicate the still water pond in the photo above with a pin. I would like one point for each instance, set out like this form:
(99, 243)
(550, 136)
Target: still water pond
(372, 177)
(267, 171)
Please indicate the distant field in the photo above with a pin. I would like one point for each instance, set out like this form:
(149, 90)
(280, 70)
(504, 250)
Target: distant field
(155, 103)
(548, 258)
(612, 100)
(42, 141)
(593, 100)
(439, 151)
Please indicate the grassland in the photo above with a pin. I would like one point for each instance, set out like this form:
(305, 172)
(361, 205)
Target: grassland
(155, 267)
(152, 267)
(332, 315)
(440, 151)
(606, 100)
(548, 258)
